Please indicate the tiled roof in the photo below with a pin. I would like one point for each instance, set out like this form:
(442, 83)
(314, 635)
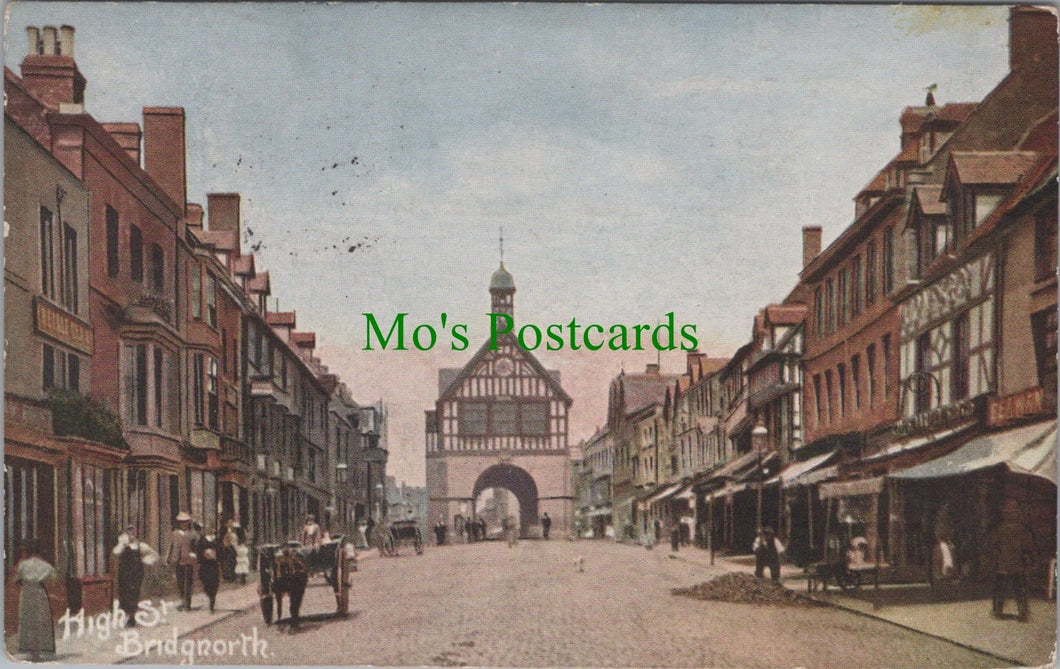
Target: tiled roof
(878, 183)
(992, 167)
(643, 390)
(282, 318)
(928, 197)
(909, 154)
(956, 111)
(711, 365)
(225, 240)
(778, 314)
(259, 283)
(304, 339)
(243, 265)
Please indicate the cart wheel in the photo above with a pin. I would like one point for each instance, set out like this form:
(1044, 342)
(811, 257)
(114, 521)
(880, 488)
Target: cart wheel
(849, 580)
(418, 544)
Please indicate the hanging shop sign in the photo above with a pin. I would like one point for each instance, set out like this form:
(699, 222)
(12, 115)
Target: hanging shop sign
(1024, 404)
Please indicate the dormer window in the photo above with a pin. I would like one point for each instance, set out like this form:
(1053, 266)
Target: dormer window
(977, 182)
(983, 204)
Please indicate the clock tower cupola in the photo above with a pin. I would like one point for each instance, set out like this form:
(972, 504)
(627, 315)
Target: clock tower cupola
(502, 289)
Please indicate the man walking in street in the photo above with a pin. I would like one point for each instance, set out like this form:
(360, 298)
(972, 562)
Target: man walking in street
(182, 556)
(546, 524)
(767, 549)
(1014, 548)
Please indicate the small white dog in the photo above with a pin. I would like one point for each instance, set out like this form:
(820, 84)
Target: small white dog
(579, 563)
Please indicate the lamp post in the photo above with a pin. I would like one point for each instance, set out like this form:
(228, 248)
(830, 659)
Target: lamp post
(758, 437)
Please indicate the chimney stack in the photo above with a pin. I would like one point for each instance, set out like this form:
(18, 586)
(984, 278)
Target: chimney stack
(164, 150)
(193, 215)
(49, 70)
(223, 212)
(811, 243)
(127, 135)
(1032, 42)
(652, 368)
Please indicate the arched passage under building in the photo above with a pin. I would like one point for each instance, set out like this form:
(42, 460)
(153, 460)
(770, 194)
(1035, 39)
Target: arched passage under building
(516, 481)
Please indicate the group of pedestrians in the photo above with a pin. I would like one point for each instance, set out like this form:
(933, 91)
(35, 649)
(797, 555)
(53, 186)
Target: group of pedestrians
(473, 530)
(215, 554)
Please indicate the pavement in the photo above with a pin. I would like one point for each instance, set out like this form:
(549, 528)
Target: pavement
(92, 643)
(960, 617)
(961, 623)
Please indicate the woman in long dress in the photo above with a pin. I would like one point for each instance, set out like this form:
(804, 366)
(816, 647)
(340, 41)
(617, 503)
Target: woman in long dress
(242, 551)
(36, 630)
(132, 554)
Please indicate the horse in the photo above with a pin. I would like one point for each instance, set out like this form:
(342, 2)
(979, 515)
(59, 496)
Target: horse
(281, 571)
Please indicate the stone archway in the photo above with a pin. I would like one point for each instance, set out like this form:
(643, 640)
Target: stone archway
(518, 482)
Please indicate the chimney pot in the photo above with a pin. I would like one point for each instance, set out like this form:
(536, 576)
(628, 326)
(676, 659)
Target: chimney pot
(33, 33)
(66, 40)
(50, 41)
(811, 243)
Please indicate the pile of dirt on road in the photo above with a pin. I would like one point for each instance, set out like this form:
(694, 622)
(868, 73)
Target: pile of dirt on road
(742, 588)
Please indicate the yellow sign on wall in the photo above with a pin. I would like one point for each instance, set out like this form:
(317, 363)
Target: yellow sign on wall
(61, 326)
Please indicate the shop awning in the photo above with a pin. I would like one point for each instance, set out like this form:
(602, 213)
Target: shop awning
(606, 511)
(792, 472)
(685, 493)
(851, 488)
(665, 492)
(733, 466)
(754, 473)
(913, 443)
(730, 489)
(818, 475)
(1025, 450)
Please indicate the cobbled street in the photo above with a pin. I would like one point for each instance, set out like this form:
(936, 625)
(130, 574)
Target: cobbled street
(488, 605)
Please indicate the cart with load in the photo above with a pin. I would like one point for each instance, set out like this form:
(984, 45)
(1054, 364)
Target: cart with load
(284, 569)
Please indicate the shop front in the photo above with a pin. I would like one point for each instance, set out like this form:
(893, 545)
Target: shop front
(958, 497)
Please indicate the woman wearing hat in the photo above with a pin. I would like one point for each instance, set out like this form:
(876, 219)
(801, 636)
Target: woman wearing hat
(36, 632)
(132, 554)
(182, 556)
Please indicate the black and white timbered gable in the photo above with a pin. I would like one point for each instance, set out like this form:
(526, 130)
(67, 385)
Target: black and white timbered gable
(503, 400)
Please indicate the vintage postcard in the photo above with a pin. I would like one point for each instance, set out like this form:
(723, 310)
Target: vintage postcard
(530, 335)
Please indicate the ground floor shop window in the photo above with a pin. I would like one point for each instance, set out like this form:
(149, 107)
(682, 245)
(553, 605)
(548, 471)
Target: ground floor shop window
(92, 518)
(202, 489)
(29, 494)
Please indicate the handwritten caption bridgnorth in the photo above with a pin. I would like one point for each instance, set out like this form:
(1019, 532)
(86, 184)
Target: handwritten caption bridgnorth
(399, 334)
(151, 615)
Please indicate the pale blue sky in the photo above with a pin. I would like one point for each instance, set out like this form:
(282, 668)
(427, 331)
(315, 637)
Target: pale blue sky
(641, 158)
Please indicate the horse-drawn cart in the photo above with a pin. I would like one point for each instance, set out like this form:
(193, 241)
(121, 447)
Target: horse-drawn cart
(400, 532)
(284, 569)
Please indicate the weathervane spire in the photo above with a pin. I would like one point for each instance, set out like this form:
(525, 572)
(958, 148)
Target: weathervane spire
(502, 246)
